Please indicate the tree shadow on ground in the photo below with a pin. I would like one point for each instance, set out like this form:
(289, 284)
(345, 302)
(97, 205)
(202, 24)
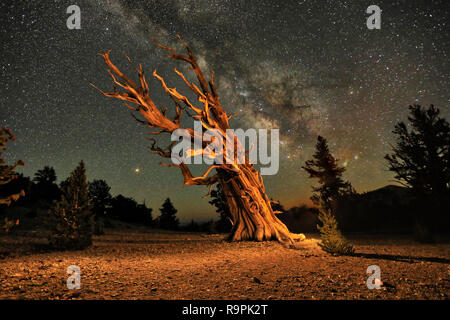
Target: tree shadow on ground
(400, 258)
(31, 248)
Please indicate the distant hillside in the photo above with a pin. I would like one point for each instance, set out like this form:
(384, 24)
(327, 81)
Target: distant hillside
(387, 209)
(389, 194)
(300, 219)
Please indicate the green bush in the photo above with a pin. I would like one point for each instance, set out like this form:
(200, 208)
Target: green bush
(332, 239)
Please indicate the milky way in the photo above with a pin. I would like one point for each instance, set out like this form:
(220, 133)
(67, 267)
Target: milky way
(306, 67)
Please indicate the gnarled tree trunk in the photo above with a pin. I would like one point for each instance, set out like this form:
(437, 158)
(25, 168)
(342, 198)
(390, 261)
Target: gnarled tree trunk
(251, 211)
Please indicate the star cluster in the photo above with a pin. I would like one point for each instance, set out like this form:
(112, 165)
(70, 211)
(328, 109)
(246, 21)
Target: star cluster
(306, 67)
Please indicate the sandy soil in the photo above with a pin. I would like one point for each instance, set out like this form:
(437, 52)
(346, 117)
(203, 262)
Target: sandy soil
(148, 264)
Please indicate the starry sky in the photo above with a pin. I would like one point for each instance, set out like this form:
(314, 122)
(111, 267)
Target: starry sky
(305, 67)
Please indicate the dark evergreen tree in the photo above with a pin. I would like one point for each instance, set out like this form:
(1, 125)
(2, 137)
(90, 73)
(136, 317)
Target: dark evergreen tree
(325, 168)
(45, 189)
(122, 208)
(421, 161)
(71, 218)
(168, 219)
(145, 214)
(421, 157)
(100, 196)
(45, 176)
(333, 188)
(128, 210)
(220, 202)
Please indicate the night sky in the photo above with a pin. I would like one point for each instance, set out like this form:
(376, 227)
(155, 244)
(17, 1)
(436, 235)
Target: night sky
(306, 67)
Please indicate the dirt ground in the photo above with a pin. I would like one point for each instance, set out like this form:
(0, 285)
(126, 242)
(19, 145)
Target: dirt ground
(147, 264)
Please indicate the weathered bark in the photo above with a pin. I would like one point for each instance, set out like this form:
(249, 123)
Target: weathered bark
(252, 214)
(251, 210)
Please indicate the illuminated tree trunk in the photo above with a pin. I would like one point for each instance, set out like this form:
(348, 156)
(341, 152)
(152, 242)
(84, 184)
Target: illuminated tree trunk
(251, 211)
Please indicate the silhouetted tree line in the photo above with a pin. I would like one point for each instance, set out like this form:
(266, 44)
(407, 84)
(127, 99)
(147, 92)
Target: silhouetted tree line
(42, 191)
(420, 160)
(75, 209)
(210, 226)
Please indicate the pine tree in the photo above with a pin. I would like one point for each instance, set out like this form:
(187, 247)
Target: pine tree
(421, 161)
(45, 190)
(71, 218)
(144, 214)
(332, 239)
(99, 193)
(325, 168)
(421, 158)
(44, 176)
(100, 196)
(167, 219)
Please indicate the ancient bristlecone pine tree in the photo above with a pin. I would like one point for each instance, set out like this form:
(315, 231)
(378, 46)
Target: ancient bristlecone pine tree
(251, 212)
